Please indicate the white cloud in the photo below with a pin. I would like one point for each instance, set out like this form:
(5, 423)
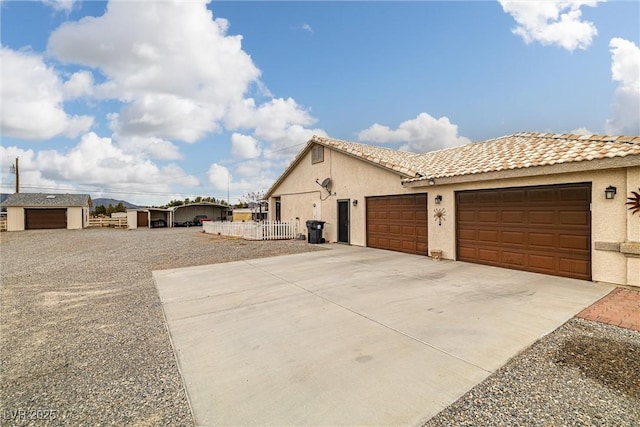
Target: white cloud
(307, 28)
(30, 174)
(219, 177)
(552, 22)
(280, 123)
(419, 135)
(244, 146)
(154, 148)
(95, 163)
(625, 70)
(32, 99)
(582, 131)
(79, 84)
(171, 62)
(61, 5)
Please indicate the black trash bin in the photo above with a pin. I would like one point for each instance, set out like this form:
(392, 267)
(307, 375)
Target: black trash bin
(314, 231)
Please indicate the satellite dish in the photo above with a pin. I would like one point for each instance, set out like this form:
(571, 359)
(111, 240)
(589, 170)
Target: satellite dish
(325, 184)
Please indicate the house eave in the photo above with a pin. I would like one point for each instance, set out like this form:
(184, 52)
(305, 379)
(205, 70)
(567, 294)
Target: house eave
(570, 167)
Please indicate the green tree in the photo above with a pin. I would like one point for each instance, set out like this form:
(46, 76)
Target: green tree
(100, 210)
(120, 208)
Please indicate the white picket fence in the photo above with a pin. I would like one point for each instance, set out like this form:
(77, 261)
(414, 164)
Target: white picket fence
(266, 230)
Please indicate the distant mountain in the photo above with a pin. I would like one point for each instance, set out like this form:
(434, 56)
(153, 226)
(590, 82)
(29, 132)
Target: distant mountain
(3, 197)
(113, 202)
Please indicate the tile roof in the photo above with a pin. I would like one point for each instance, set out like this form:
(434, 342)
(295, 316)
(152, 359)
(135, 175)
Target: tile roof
(46, 200)
(399, 161)
(522, 150)
(517, 151)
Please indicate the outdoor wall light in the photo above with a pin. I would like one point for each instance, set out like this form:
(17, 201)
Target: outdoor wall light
(610, 192)
(431, 181)
(354, 203)
(438, 199)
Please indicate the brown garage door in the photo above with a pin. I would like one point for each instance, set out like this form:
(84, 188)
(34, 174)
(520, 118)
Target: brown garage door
(39, 219)
(398, 223)
(143, 219)
(544, 229)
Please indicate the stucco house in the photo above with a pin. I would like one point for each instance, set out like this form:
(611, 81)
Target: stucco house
(546, 203)
(33, 211)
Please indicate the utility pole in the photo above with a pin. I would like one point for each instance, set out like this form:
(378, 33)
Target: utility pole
(15, 169)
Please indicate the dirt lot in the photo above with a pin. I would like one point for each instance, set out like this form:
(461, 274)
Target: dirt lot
(82, 334)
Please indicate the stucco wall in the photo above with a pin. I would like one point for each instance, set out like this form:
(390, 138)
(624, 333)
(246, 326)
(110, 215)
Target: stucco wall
(353, 179)
(15, 219)
(633, 226)
(74, 218)
(132, 219)
(301, 199)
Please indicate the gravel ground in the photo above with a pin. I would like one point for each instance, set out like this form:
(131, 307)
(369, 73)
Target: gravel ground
(583, 374)
(82, 333)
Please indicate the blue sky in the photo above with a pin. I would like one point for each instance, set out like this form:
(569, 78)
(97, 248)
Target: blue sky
(151, 101)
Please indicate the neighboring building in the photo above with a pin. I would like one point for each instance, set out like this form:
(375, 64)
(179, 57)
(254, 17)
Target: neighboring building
(34, 211)
(149, 218)
(250, 214)
(242, 215)
(528, 201)
(214, 211)
(119, 215)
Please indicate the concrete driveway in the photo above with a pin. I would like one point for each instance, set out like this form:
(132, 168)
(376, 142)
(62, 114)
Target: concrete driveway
(351, 336)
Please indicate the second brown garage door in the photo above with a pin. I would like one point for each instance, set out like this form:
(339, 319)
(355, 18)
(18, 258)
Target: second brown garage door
(398, 223)
(544, 229)
(39, 219)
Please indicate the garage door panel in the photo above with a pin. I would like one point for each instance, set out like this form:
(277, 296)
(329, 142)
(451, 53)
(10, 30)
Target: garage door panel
(395, 215)
(408, 216)
(467, 252)
(543, 240)
(488, 216)
(467, 198)
(513, 196)
(513, 258)
(516, 217)
(574, 242)
(408, 229)
(467, 216)
(541, 195)
(489, 255)
(547, 217)
(542, 262)
(488, 197)
(546, 229)
(382, 228)
(574, 218)
(488, 236)
(408, 246)
(43, 219)
(382, 215)
(399, 223)
(574, 267)
(467, 234)
(514, 238)
(575, 194)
